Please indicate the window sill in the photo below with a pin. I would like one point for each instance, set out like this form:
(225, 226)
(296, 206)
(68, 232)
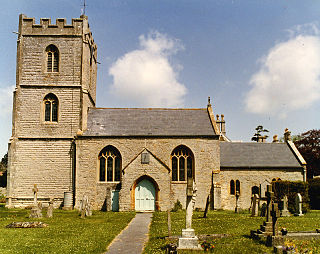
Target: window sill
(179, 182)
(48, 122)
(109, 182)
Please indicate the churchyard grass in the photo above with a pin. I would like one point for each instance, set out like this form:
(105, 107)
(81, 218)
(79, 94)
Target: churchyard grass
(66, 233)
(238, 226)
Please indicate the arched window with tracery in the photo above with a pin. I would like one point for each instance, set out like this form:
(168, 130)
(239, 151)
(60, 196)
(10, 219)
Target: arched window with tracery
(110, 165)
(182, 162)
(51, 105)
(52, 58)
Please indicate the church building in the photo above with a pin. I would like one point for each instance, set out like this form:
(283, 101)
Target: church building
(121, 158)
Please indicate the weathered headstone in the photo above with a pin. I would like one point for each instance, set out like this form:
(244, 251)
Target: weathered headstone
(37, 207)
(189, 240)
(285, 212)
(298, 205)
(237, 208)
(255, 205)
(50, 209)
(275, 214)
(85, 209)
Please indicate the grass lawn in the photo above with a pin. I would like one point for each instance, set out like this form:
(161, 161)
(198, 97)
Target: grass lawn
(238, 226)
(66, 233)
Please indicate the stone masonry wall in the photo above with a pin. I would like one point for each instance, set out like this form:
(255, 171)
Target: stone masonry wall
(30, 112)
(248, 179)
(46, 163)
(206, 155)
(33, 60)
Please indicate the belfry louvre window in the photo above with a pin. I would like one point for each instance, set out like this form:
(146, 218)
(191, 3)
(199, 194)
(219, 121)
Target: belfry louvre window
(52, 58)
(110, 165)
(51, 108)
(182, 162)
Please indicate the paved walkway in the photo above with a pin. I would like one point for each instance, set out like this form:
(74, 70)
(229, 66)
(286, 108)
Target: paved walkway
(133, 238)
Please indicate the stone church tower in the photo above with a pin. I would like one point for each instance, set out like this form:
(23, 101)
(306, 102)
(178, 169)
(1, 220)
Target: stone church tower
(55, 85)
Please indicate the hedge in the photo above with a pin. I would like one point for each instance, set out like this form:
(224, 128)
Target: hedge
(291, 189)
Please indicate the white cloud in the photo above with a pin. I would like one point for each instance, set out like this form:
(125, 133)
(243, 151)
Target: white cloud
(146, 77)
(6, 95)
(288, 79)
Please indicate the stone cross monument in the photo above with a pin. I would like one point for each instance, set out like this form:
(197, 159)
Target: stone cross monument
(189, 240)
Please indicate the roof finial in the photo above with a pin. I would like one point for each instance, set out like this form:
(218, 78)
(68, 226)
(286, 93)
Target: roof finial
(209, 102)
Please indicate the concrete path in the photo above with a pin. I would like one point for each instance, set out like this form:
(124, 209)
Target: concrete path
(133, 238)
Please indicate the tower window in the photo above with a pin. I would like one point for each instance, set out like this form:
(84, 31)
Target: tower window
(51, 108)
(52, 58)
(182, 164)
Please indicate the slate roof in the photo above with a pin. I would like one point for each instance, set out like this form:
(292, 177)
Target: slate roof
(148, 122)
(257, 155)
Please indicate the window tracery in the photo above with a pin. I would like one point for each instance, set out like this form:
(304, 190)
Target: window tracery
(182, 164)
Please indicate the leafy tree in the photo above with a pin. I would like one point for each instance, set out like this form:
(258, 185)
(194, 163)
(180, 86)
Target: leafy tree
(259, 131)
(3, 169)
(308, 145)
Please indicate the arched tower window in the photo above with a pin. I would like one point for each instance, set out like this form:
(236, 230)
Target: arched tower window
(182, 161)
(110, 165)
(52, 58)
(51, 105)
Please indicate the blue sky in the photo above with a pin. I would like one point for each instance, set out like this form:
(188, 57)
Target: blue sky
(259, 61)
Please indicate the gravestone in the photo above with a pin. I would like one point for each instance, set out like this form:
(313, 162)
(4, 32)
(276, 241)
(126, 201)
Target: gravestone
(237, 208)
(275, 214)
(255, 205)
(298, 205)
(85, 209)
(50, 209)
(37, 207)
(285, 212)
(189, 240)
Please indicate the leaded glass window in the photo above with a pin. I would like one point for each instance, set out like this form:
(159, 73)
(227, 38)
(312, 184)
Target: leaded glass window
(110, 165)
(182, 163)
(51, 108)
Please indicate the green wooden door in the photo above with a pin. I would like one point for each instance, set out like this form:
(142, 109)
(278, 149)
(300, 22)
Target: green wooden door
(145, 194)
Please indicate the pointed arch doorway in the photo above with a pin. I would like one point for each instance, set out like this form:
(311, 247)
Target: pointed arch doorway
(145, 194)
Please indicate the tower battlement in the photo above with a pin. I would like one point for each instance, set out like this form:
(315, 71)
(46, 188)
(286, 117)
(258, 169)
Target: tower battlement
(78, 27)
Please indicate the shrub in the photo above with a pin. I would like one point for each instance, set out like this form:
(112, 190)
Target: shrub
(314, 193)
(177, 206)
(2, 198)
(290, 189)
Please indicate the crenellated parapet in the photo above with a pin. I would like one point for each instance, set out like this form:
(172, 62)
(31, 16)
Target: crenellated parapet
(78, 26)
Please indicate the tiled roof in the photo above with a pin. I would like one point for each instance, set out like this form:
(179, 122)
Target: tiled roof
(257, 155)
(148, 122)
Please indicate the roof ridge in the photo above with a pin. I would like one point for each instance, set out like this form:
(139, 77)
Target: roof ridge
(152, 108)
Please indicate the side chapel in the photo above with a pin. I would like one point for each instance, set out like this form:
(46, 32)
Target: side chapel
(120, 158)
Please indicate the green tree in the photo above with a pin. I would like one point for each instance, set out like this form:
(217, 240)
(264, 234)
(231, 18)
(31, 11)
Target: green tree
(3, 170)
(308, 145)
(259, 130)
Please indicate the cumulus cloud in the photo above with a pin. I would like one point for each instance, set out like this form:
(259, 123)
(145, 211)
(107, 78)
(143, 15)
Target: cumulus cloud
(6, 95)
(146, 77)
(288, 78)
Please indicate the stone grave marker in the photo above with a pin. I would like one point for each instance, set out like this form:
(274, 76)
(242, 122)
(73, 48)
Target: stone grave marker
(37, 207)
(50, 209)
(255, 205)
(285, 212)
(85, 209)
(298, 205)
(189, 240)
